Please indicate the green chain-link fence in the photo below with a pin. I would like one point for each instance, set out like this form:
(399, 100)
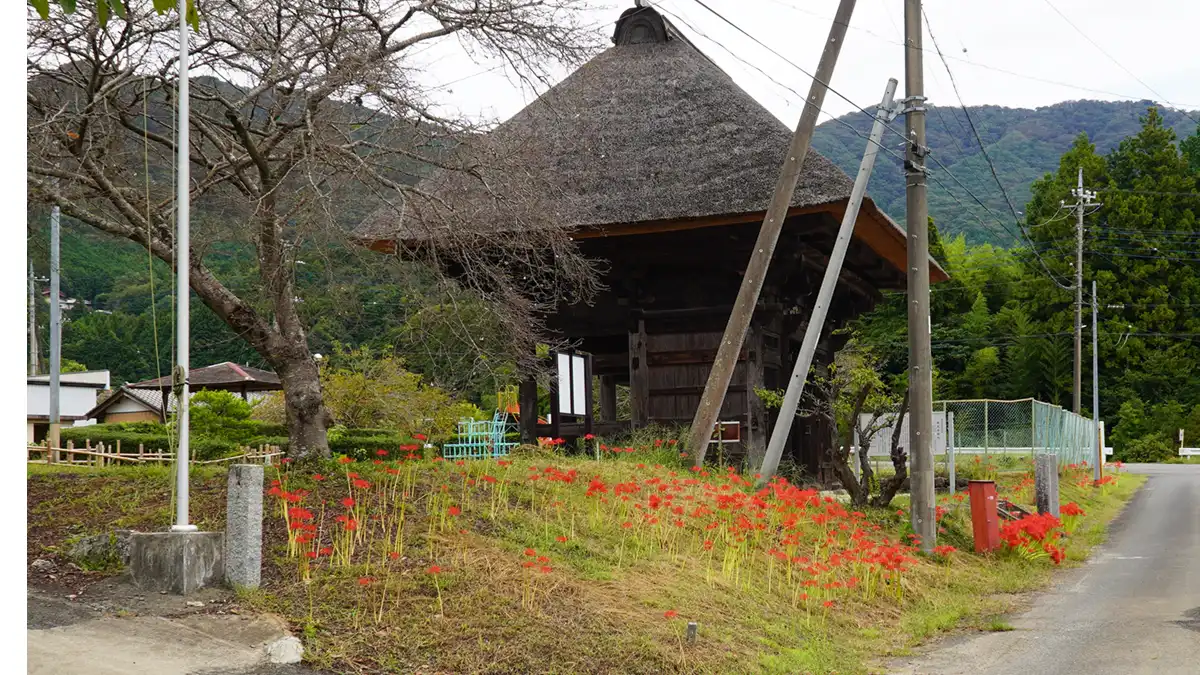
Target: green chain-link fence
(1026, 426)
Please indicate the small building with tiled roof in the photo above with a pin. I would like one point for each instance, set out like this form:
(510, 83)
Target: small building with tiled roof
(143, 401)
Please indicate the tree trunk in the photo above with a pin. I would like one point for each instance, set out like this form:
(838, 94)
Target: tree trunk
(859, 492)
(890, 487)
(307, 418)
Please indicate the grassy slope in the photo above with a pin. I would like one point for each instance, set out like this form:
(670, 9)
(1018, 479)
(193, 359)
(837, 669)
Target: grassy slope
(601, 607)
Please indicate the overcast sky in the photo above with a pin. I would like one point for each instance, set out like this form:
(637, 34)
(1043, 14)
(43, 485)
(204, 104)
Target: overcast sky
(1047, 60)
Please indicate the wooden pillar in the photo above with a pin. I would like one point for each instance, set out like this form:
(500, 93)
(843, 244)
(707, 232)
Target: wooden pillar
(608, 398)
(639, 377)
(527, 399)
(755, 440)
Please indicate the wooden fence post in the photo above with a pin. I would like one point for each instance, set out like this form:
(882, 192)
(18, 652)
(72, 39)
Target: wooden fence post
(118, 447)
(51, 453)
(141, 450)
(71, 452)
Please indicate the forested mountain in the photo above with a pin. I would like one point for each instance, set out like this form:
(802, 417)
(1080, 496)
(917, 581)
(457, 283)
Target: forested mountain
(1023, 144)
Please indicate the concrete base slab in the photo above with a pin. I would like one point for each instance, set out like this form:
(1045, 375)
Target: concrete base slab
(154, 645)
(176, 562)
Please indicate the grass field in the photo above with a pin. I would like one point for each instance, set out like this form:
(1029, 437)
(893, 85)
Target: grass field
(546, 563)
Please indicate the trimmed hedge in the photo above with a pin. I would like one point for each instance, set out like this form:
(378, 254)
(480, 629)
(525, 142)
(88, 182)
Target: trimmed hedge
(154, 437)
(357, 443)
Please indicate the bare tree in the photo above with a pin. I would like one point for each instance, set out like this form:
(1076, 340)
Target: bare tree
(851, 398)
(302, 111)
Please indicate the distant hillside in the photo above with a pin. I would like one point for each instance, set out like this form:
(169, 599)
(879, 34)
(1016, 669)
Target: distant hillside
(1024, 145)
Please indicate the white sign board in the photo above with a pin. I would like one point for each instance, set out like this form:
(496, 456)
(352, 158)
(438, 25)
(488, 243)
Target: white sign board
(572, 385)
(881, 444)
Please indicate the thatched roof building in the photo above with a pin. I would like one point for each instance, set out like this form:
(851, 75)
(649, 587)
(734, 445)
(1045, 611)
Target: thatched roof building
(654, 159)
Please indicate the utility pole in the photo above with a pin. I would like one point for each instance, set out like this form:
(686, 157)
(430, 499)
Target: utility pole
(1083, 199)
(33, 345)
(1078, 398)
(183, 283)
(1096, 385)
(920, 356)
(764, 248)
(55, 327)
(812, 333)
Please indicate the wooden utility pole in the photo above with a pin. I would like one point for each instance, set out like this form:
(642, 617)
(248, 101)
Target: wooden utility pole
(1096, 471)
(816, 322)
(1083, 199)
(920, 357)
(33, 345)
(768, 235)
(1078, 390)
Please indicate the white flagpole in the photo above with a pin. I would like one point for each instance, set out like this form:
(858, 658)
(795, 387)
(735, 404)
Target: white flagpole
(183, 283)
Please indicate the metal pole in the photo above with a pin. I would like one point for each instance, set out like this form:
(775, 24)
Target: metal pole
(816, 322)
(183, 284)
(920, 356)
(1079, 298)
(55, 327)
(33, 345)
(764, 247)
(1096, 387)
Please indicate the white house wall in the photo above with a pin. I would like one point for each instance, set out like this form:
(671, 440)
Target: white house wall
(72, 401)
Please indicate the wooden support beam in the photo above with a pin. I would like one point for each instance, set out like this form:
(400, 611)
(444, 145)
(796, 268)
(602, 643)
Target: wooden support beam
(608, 398)
(639, 377)
(527, 399)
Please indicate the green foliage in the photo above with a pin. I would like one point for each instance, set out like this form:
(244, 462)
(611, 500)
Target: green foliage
(1152, 448)
(1003, 329)
(363, 388)
(69, 366)
(1023, 144)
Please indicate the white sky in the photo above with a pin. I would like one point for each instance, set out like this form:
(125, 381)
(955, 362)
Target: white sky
(1154, 39)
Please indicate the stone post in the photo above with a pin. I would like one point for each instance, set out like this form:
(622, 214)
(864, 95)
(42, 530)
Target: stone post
(1046, 484)
(243, 526)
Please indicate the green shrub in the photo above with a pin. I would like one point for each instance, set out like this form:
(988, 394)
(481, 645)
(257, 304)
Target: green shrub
(1152, 448)
(156, 437)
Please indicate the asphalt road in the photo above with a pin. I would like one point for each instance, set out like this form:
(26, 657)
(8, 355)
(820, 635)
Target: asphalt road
(1133, 608)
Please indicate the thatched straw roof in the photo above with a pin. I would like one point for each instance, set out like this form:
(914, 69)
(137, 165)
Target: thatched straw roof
(649, 130)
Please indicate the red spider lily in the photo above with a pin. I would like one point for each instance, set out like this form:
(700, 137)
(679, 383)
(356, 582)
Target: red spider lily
(1072, 509)
(827, 604)
(944, 550)
(394, 555)
(589, 437)
(351, 524)
(530, 552)
(346, 460)
(326, 551)
(381, 452)
(377, 461)
(561, 539)
(420, 437)
(543, 559)
(627, 525)
(286, 460)
(528, 563)
(670, 614)
(361, 484)
(293, 497)
(275, 491)
(546, 569)
(318, 477)
(672, 442)
(365, 581)
(454, 510)
(348, 502)
(434, 569)
(351, 474)
(708, 544)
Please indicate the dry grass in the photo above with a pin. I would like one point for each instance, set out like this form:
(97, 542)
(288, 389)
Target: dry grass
(601, 609)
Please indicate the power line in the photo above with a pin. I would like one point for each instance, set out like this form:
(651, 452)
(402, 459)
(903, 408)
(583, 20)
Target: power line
(984, 66)
(1149, 192)
(983, 149)
(1114, 60)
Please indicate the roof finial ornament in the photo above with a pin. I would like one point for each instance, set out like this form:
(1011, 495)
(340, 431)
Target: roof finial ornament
(640, 24)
